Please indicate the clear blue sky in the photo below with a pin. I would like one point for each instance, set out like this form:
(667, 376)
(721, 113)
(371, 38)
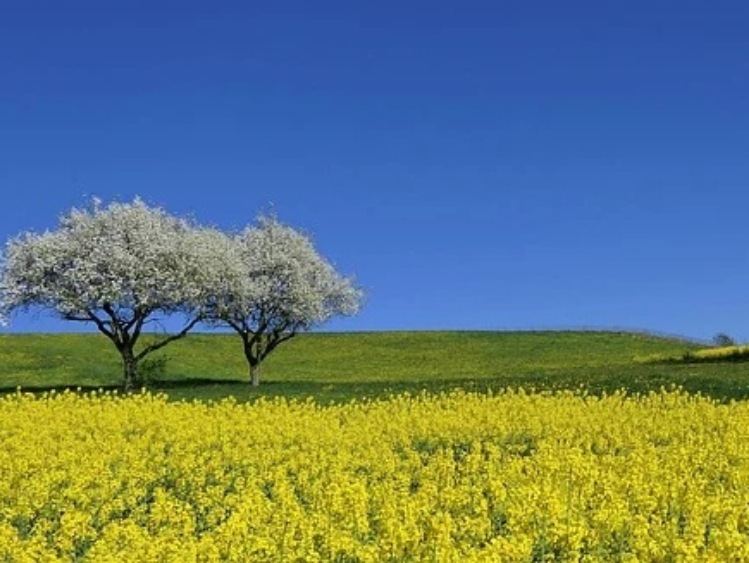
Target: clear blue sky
(477, 165)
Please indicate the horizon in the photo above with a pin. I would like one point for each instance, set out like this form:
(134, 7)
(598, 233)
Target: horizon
(483, 167)
(207, 331)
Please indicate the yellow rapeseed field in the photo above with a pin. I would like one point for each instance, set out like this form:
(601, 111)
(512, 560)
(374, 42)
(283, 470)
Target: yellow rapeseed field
(459, 477)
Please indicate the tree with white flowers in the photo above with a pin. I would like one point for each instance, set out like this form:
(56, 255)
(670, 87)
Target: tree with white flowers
(118, 267)
(280, 286)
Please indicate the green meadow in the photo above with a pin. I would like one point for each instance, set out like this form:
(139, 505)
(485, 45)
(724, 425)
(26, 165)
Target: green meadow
(342, 366)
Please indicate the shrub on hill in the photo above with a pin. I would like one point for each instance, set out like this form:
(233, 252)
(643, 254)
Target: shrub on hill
(705, 355)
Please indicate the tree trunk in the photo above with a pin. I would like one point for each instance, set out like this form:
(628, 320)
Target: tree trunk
(255, 374)
(252, 359)
(130, 365)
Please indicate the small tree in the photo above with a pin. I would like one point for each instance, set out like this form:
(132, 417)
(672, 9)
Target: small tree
(116, 267)
(280, 286)
(723, 340)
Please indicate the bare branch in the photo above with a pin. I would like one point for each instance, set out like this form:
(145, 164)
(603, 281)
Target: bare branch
(138, 328)
(100, 324)
(161, 343)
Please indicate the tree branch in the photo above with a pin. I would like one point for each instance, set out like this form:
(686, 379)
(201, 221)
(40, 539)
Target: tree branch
(91, 317)
(287, 336)
(110, 311)
(73, 317)
(255, 341)
(161, 343)
(117, 325)
(127, 325)
(240, 328)
(139, 322)
(274, 339)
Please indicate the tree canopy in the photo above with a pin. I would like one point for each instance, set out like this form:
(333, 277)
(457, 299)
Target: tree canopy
(125, 265)
(280, 286)
(116, 267)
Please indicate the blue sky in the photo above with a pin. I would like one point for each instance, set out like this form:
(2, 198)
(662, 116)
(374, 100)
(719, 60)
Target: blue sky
(477, 165)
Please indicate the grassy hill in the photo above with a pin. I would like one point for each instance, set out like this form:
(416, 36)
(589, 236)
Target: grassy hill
(340, 366)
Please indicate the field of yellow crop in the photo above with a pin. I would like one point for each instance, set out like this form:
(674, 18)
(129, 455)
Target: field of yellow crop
(722, 354)
(458, 477)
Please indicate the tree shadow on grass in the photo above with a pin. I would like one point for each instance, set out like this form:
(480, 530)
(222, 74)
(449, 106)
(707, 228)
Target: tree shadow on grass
(324, 392)
(321, 391)
(41, 389)
(332, 391)
(154, 386)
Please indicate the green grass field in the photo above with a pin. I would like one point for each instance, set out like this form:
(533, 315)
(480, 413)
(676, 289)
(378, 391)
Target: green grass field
(332, 366)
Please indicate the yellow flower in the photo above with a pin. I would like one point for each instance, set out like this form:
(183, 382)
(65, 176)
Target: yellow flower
(513, 476)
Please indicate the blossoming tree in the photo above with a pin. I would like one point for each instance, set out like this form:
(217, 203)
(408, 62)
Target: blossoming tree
(117, 267)
(280, 286)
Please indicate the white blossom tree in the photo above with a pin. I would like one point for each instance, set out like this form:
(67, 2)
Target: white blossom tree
(280, 286)
(118, 267)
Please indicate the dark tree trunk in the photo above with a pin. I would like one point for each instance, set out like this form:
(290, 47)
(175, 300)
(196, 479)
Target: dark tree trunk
(255, 374)
(124, 334)
(253, 359)
(257, 346)
(130, 365)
